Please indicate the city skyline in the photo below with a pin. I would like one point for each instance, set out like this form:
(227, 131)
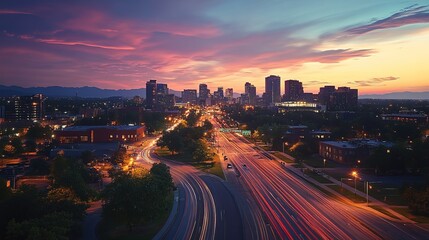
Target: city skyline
(376, 47)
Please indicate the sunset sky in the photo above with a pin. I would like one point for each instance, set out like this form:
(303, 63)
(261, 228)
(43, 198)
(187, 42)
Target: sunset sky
(375, 46)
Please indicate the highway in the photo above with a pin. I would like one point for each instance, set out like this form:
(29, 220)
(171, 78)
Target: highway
(295, 209)
(206, 209)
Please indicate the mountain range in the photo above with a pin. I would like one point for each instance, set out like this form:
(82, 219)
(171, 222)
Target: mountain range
(398, 95)
(94, 92)
(84, 92)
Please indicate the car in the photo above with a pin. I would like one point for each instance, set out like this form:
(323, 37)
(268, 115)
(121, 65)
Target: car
(229, 165)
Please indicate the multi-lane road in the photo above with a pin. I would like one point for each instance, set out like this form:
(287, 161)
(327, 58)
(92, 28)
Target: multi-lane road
(263, 199)
(206, 209)
(295, 209)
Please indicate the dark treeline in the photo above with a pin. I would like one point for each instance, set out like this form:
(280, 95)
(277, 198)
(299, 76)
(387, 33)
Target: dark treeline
(189, 140)
(55, 213)
(132, 199)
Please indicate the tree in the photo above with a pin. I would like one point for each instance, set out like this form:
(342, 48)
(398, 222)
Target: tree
(201, 152)
(37, 132)
(208, 126)
(161, 172)
(418, 201)
(124, 200)
(192, 118)
(87, 157)
(132, 199)
(72, 174)
(64, 199)
(53, 226)
(172, 140)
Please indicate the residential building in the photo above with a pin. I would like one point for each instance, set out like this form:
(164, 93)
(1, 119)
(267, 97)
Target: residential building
(350, 152)
(25, 108)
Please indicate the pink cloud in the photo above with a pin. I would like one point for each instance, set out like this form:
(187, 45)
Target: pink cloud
(63, 42)
(5, 11)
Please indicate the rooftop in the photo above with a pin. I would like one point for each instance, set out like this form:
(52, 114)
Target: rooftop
(86, 128)
(355, 143)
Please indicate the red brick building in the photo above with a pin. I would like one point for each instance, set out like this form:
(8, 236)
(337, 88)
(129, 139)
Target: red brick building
(100, 134)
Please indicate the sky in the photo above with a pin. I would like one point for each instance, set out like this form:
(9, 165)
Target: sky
(375, 46)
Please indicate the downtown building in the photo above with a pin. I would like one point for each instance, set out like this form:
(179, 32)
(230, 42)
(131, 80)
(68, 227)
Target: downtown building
(293, 91)
(204, 95)
(229, 95)
(272, 90)
(158, 97)
(189, 96)
(249, 96)
(151, 94)
(218, 96)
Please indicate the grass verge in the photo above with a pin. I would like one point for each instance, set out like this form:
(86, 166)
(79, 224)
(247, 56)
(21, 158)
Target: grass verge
(317, 177)
(110, 230)
(382, 210)
(346, 193)
(406, 212)
(213, 166)
(283, 157)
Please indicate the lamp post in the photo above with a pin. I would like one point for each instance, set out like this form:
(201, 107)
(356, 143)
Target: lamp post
(354, 174)
(285, 143)
(367, 191)
(324, 163)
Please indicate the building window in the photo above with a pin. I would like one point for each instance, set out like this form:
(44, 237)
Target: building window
(84, 138)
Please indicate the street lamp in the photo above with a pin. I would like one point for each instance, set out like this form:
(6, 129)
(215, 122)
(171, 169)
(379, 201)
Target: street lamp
(285, 143)
(354, 174)
(367, 191)
(324, 163)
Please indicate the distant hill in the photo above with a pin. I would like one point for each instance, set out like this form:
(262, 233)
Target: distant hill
(398, 95)
(84, 92)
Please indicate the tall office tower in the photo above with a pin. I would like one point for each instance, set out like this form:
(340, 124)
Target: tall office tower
(150, 93)
(325, 94)
(229, 94)
(25, 108)
(252, 95)
(250, 91)
(343, 99)
(189, 96)
(247, 86)
(293, 90)
(203, 94)
(161, 89)
(161, 97)
(220, 91)
(272, 89)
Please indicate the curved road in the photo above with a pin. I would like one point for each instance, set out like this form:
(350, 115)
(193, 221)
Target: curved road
(206, 208)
